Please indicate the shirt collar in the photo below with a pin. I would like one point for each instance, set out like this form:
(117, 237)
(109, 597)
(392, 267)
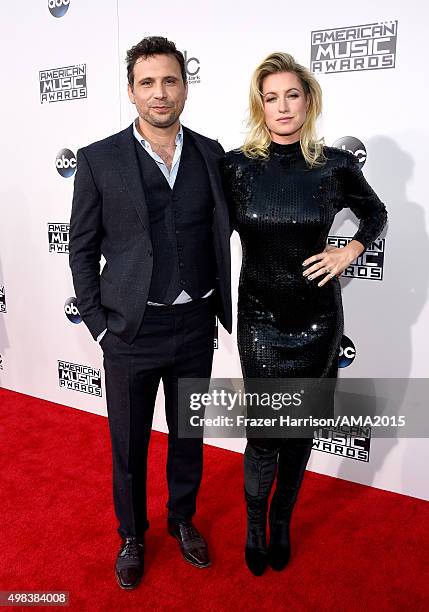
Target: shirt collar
(146, 143)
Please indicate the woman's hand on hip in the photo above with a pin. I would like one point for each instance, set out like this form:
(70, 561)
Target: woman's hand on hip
(332, 261)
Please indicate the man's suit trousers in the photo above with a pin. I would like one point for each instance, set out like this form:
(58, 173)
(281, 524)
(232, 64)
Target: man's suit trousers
(173, 342)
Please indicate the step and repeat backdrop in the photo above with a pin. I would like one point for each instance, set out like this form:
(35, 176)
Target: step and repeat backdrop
(64, 86)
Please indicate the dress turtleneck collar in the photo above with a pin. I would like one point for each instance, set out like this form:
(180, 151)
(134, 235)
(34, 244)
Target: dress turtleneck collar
(286, 149)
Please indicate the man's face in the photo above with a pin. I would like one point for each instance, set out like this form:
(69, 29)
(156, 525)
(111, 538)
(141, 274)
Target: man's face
(158, 91)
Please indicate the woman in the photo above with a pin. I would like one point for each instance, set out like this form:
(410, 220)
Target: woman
(284, 189)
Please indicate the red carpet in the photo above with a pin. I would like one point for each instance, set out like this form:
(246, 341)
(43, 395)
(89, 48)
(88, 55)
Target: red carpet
(354, 547)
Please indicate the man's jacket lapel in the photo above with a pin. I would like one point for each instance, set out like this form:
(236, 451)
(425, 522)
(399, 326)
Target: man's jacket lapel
(126, 158)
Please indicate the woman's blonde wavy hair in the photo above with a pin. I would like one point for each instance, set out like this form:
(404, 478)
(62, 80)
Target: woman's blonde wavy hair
(258, 138)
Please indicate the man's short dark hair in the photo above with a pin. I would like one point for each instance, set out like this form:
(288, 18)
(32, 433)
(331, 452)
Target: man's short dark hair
(153, 45)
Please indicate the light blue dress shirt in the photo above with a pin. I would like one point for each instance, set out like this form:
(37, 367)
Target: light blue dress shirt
(170, 175)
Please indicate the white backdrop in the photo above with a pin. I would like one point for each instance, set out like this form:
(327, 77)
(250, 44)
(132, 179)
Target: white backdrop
(386, 321)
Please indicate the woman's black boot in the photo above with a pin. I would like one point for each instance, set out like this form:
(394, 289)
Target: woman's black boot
(279, 548)
(260, 466)
(293, 458)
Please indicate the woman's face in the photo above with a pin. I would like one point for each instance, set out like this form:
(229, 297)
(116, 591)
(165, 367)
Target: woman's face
(285, 106)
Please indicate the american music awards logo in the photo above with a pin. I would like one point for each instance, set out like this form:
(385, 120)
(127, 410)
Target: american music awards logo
(63, 84)
(371, 46)
(58, 237)
(346, 441)
(77, 377)
(369, 265)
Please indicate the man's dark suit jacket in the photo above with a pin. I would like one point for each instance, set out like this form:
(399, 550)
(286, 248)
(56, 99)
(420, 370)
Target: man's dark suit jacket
(110, 217)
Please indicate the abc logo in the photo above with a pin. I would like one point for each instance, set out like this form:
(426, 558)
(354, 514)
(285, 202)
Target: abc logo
(65, 163)
(353, 145)
(194, 69)
(58, 8)
(347, 352)
(71, 311)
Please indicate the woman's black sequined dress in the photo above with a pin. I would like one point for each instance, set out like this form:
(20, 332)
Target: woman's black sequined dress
(283, 211)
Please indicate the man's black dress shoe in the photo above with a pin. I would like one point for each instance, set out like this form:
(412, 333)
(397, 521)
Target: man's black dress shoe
(192, 544)
(130, 562)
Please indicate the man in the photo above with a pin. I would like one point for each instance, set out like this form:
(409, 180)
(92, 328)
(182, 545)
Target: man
(150, 200)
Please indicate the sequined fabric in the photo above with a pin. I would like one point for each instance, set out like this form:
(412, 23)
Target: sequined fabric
(283, 211)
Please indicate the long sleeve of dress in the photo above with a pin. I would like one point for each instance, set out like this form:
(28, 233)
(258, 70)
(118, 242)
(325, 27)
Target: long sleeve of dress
(362, 200)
